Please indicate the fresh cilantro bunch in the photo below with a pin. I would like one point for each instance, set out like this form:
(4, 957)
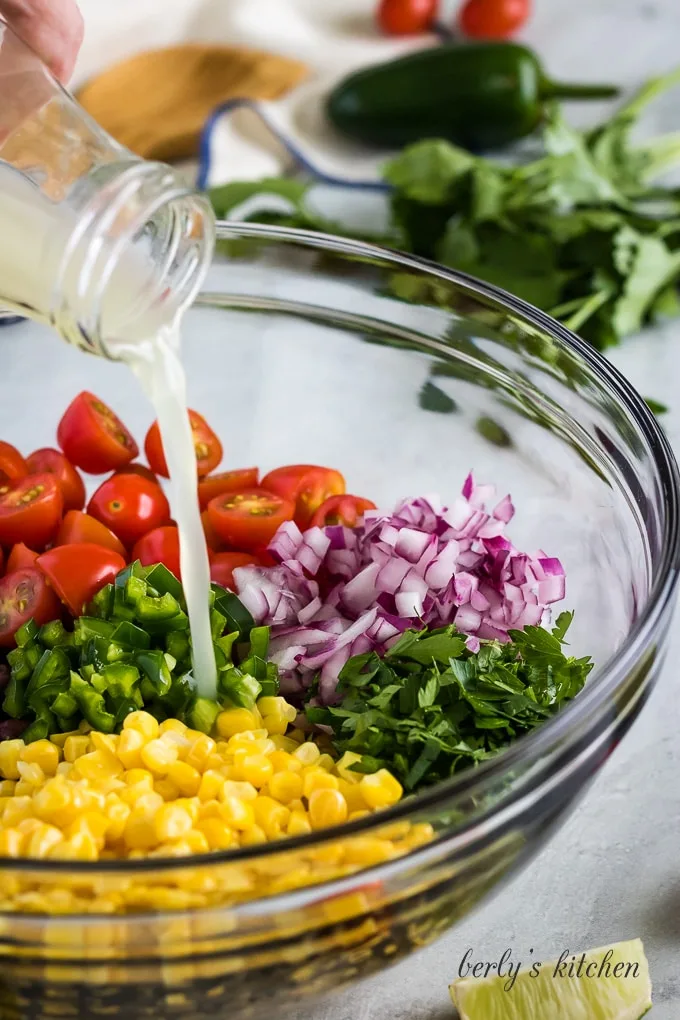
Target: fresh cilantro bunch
(430, 707)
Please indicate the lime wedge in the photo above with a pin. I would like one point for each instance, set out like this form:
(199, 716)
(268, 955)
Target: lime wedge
(611, 983)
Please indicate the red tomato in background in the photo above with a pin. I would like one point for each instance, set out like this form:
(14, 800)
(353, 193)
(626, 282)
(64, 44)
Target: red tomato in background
(406, 17)
(20, 556)
(24, 595)
(94, 438)
(13, 467)
(78, 528)
(307, 485)
(129, 506)
(138, 469)
(212, 539)
(222, 566)
(159, 546)
(227, 481)
(493, 19)
(30, 512)
(206, 444)
(78, 572)
(55, 463)
(341, 510)
(247, 520)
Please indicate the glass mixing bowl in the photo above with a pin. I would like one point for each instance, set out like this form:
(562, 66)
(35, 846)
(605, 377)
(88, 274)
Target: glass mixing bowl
(304, 348)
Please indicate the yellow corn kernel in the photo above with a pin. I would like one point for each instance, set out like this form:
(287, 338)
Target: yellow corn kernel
(144, 723)
(197, 842)
(253, 836)
(200, 750)
(167, 789)
(352, 794)
(275, 725)
(64, 768)
(214, 763)
(42, 753)
(308, 753)
(343, 767)
(190, 804)
(186, 778)
(212, 785)
(235, 720)
(368, 850)
(380, 789)
(218, 835)
(238, 814)
(298, 824)
(172, 726)
(283, 761)
(327, 807)
(17, 809)
(209, 809)
(10, 754)
(271, 816)
(117, 813)
(98, 765)
(244, 742)
(129, 749)
(75, 747)
(326, 761)
(29, 825)
(7, 787)
(149, 802)
(244, 791)
(284, 743)
(43, 840)
(286, 786)
(11, 842)
(341, 908)
(421, 833)
(54, 802)
(140, 831)
(24, 788)
(104, 742)
(139, 777)
(172, 823)
(354, 816)
(318, 779)
(257, 769)
(158, 756)
(92, 822)
(82, 847)
(60, 738)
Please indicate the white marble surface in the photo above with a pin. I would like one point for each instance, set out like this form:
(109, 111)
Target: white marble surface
(613, 872)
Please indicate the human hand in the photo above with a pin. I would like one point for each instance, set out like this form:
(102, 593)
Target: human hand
(53, 28)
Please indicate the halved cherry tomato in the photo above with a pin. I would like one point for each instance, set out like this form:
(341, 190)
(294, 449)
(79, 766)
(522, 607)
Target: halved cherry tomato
(206, 444)
(159, 546)
(308, 485)
(77, 572)
(341, 510)
(222, 566)
(406, 17)
(212, 539)
(226, 481)
(138, 469)
(13, 467)
(55, 463)
(250, 519)
(78, 528)
(493, 19)
(31, 511)
(24, 595)
(93, 437)
(129, 506)
(20, 556)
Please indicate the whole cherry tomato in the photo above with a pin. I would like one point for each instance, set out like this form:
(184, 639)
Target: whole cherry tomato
(159, 546)
(78, 572)
(493, 19)
(307, 485)
(30, 512)
(206, 444)
(406, 17)
(137, 469)
(55, 463)
(250, 519)
(129, 506)
(20, 556)
(25, 595)
(93, 437)
(341, 510)
(13, 467)
(78, 528)
(227, 481)
(223, 565)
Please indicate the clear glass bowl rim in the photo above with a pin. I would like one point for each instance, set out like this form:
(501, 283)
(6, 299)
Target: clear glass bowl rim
(596, 696)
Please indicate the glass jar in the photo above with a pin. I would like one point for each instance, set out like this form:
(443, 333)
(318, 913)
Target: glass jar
(105, 247)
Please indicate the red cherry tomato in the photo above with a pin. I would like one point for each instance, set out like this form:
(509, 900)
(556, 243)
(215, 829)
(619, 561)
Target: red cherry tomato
(129, 506)
(308, 485)
(206, 443)
(493, 19)
(24, 595)
(2, 561)
(250, 519)
(77, 572)
(20, 556)
(30, 512)
(55, 463)
(159, 546)
(78, 528)
(138, 469)
(227, 481)
(406, 17)
(222, 566)
(341, 510)
(212, 539)
(13, 467)
(93, 437)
